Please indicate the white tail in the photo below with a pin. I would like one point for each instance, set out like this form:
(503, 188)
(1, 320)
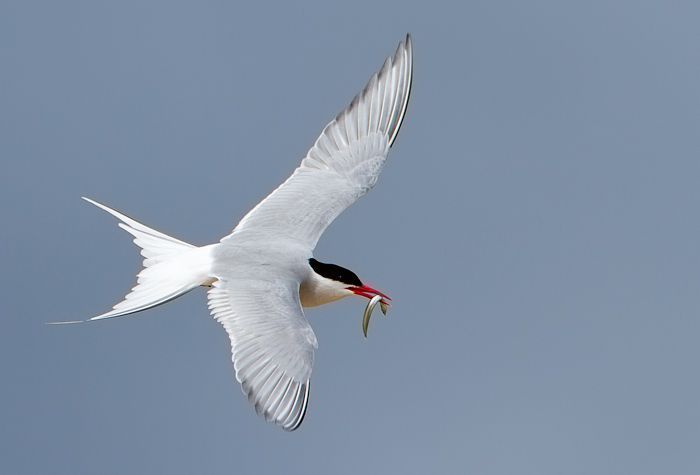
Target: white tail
(171, 267)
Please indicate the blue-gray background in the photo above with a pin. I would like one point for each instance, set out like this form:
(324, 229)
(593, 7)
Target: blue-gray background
(537, 225)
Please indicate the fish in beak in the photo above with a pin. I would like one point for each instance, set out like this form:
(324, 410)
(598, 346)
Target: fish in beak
(375, 297)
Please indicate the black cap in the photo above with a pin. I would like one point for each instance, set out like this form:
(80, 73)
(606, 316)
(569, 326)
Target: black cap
(334, 272)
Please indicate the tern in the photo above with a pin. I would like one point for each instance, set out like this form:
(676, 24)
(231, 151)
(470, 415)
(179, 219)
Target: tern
(262, 275)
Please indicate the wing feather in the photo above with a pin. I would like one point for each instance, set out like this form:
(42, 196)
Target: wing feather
(272, 345)
(344, 162)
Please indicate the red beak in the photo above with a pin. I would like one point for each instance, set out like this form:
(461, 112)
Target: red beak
(368, 292)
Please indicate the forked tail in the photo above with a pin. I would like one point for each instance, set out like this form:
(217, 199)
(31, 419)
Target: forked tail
(171, 267)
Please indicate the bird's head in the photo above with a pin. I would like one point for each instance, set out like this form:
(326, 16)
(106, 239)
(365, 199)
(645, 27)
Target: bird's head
(336, 282)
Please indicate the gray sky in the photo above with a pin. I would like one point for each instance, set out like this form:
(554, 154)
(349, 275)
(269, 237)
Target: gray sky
(537, 226)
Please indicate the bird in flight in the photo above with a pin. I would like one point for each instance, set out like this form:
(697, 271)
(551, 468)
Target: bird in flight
(263, 274)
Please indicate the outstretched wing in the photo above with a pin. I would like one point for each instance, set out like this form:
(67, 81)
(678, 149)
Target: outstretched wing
(343, 164)
(272, 344)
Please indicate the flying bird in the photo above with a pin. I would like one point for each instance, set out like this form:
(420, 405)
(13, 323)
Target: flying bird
(263, 274)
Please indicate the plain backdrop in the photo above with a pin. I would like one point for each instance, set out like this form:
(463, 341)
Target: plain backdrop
(536, 225)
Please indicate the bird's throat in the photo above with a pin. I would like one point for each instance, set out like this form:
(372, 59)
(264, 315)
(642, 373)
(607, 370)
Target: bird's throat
(317, 290)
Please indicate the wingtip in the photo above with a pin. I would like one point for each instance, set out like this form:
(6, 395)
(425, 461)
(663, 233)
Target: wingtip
(409, 48)
(408, 42)
(295, 424)
(405, 47)
(404, 57)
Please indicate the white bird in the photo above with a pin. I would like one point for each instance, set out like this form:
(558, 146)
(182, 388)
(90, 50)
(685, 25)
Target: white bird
(263, 273)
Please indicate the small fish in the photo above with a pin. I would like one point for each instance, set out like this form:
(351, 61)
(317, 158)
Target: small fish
(383, 305)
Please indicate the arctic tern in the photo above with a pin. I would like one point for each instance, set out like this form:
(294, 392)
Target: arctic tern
(263, 274)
